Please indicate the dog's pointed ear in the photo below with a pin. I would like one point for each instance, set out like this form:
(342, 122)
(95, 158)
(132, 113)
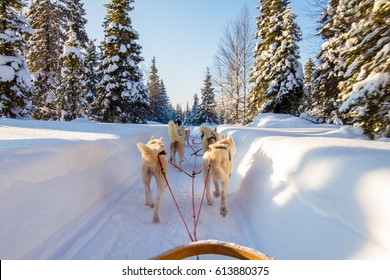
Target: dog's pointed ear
(215, 129)
(151, 138)
(222, 137)
(162, 139)
(230, 137)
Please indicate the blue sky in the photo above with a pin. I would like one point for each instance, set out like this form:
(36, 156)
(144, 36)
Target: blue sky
(183, 35)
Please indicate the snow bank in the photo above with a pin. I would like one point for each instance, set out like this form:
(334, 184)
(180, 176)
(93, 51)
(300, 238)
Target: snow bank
(52, 172)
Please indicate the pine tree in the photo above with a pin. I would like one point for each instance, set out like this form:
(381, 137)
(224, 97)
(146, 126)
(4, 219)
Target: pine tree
(277, 77)
(163, 105)
(122, 95)
(195, 112)
(326, 77)
(365, 93)
(154, 88)
(75, 16)
(15, 84)
(44, 50)
(72, 87)
(187, 115)
(208, 113)
(309, 70)
(91, 65)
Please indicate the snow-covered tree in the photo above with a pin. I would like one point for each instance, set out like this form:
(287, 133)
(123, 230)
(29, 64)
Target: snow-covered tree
(208, 113)
(91, 65)
(365, 91)
(164, 106)
(233, 62)
(154, 89)
(334, 22)
(72, 90)
(309, 70)
(44, 50)
(277, 77)
(122, 95)
(193, 117)
(75, 14)
(15, 84)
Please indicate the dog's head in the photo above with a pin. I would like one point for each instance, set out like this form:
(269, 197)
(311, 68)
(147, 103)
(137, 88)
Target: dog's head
(214, 136)
(210, 135)
(157, 144)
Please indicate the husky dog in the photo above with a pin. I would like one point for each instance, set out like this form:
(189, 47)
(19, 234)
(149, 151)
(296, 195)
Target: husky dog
(176, 135)
(187, 133)
(217, 164)
(208, 137)
(154, 163)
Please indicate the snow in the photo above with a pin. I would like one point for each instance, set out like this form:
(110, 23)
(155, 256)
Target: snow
(72, 190)
(7, 73)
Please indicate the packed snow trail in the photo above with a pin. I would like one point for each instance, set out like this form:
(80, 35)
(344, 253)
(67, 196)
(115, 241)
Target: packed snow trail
(122, 221)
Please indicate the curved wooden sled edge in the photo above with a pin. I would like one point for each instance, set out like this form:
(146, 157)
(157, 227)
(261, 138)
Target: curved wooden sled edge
(214, 247)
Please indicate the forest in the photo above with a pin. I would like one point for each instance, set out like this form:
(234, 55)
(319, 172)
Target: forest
(50, 69)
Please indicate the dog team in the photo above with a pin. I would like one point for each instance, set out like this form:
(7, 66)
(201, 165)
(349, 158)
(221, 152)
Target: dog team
(217, 162)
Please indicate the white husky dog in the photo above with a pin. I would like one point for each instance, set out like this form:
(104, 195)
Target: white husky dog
(208, 136)
(187, 133)
(217, 164)
(176, 135)
(154, 158)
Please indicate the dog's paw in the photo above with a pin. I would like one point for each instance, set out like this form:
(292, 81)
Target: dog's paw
(210, 202)
(150, 204)
(156, 219)
(216, 193)
(223, 211)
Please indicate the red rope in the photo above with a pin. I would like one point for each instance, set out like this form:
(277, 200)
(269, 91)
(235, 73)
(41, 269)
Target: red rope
(196, 218)
(201, 202)
(174, 199)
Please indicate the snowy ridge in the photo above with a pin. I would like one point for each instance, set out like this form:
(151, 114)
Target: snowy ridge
(72, 190)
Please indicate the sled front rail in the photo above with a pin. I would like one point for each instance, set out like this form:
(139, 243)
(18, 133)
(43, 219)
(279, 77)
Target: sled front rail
(212, 247)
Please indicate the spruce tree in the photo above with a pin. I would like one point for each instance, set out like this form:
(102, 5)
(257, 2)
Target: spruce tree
(208, 113)
(15, 84)
(365, 91)
(91, 65)
(154, 89)
(195, 112)
(122, 95)
(160, 109)
(72, 86)
(44, 50)
(309, 70)
(163, 105)
(277, 78)
(328, 73)
(75, 15)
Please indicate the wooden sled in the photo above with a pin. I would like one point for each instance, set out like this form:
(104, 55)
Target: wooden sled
(213, 247)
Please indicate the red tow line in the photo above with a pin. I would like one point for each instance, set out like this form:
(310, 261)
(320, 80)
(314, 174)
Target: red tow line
(194, 173)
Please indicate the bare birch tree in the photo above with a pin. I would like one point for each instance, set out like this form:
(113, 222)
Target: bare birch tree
(233, 62)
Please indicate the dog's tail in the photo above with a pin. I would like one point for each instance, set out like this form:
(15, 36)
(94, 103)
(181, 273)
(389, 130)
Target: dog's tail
(147, 153)
(172, 131)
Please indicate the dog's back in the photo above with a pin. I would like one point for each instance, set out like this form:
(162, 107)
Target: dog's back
(173, 133)
(217, 164)
(220, 159)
